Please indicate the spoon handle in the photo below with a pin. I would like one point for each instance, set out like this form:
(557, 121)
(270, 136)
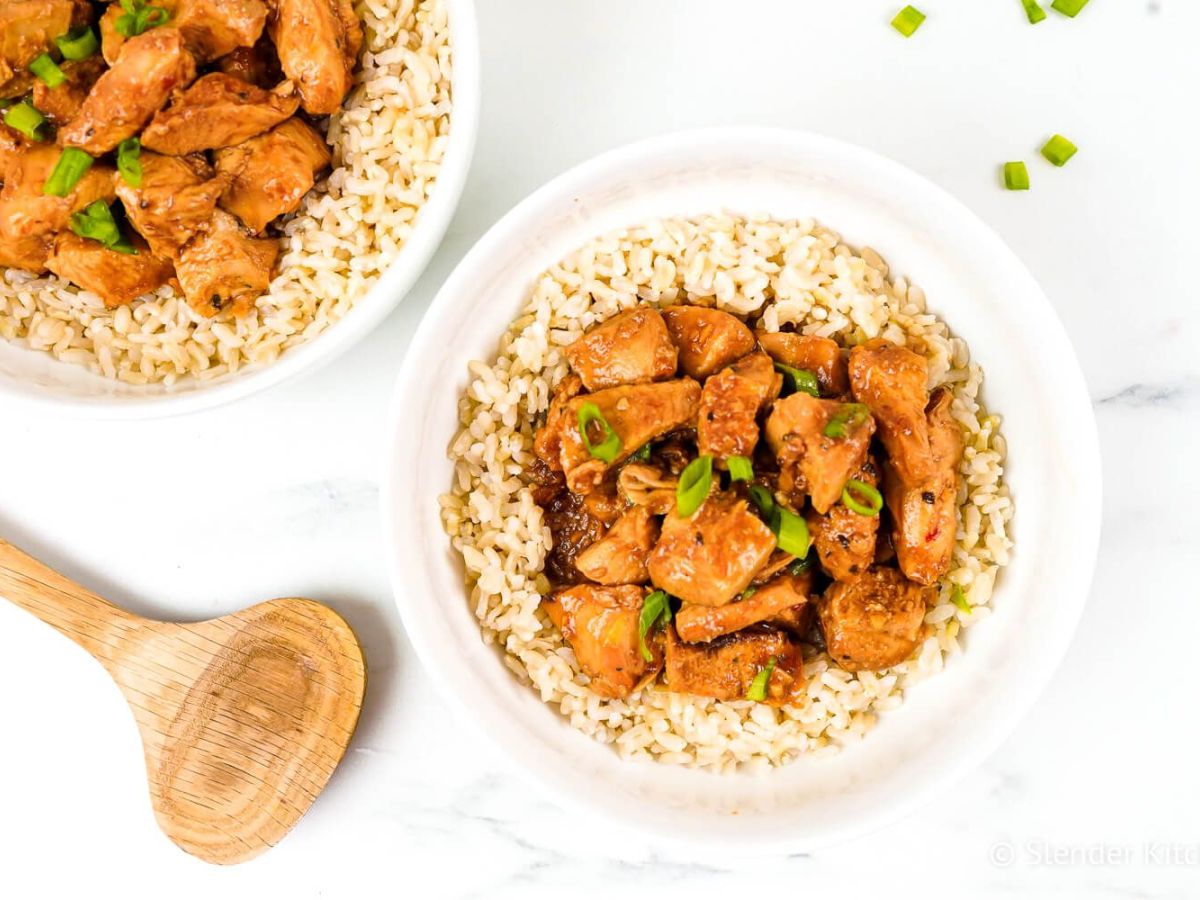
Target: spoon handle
(90, 621)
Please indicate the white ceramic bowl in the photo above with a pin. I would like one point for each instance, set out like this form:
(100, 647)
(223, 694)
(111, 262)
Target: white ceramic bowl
(950, 722)
(34, 377)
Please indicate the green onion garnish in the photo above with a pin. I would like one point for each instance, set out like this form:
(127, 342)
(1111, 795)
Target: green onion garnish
(846, 419)
(71, 166)
(643, 453)
(47, 71)
(1069, 8)
(800, 566)
(762, 499)
(740, 469)
(959, 599)
(1016, 176)
(607, 449)
(799, 380)
(78, 43)
(139, 18)
(871, 502)
(748, 593)
(1033, 11)
(908, 20)
(791, 531)
(1058, 150)
(758, 687)
(694, 484)
(25, 119)
(128, 162)
(97, 223)
(656, 609)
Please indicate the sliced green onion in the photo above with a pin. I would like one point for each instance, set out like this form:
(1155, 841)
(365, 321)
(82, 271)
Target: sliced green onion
(846, 419)
(47, 71)
(799, 380)
(25, 119)
(656, 610)
(124, 245)
(1058, 150)
(740, 468)
(762, 499)
(800, 566)
(139, 18)
(694, 484)
(72, 164)
(1069, 8)
(78, 43)
(871, 502)
(1033, 11)
(643, 452)
(791, 532)
(748, 593)
(758, 687)
(607, 449)
(908, 20)
(128, 161)
(96, 222)
(1016, 176)
(959, 599)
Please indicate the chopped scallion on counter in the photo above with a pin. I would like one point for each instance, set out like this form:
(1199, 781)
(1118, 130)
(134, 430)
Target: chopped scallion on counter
(862, 498)
(78, 43)
(1016, 176)
(1058, 150)
(908, 20)
(656, 611)
(47, 71)
(846, 419)
(129, 163)
(608, 448)
(740, 468)
(799, 380)
(758, 687)
(1033, 11)
(25, 119)
(695, 481)
(72, 165)
(1069, 8)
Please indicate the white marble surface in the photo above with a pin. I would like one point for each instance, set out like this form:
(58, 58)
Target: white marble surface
(277, 495)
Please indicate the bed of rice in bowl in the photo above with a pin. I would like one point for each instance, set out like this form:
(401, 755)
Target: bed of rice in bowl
(779, 273)
(388, 141)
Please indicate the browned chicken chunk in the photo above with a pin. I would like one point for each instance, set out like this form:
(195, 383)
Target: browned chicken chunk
(648, 486)
(601, 625)
(175, 201)
(111, 40)
(116, 278)
(726, 668)
(28, 29)
(270, 174)
(573, 528)
(630, 348)
(710, 556)
(843, 538)
(926, 513)
(729, 406)
(620, 556)
(811, 461)
(318, 43)
(26, 211)
(708, 339)
(12, 145)
(62, 103)
(213, 28)
(891, 381)
(257, 65)
(637, 414)
(217, 111)
(703, 623)
(149, 67)
(809, 353)
(874, 623)
(223, 266)
(547, 440)
(29, 253)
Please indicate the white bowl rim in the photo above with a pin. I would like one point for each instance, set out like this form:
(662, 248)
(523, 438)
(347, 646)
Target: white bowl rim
(405, 561)
(393, 285)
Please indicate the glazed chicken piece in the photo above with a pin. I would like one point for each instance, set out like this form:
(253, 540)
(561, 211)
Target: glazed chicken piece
(149, 67)
(573, 528)
(729, 406)
(637, 413)
(213, 28)
(601, 625)
(811, 461)
(844, 539)
(223, 266)
(632, 347)
(12, 145)
(111, 40)
(257, 65)
(810, 353)
(28, 253)
(116, 278)
(217, 111)
(708, 339)
(547, 440)
(175, 201)
(28, 29)
(318, 43)
(269, 174)
(925, 514)
(726, 667)
(710, 557)
(620, 556)
(25, 211)
(703, 623)
(874, 623)
(891, 381)
(648, 486)
(61, 104)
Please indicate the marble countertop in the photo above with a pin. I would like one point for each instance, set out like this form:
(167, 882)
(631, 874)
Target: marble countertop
(1093, 795)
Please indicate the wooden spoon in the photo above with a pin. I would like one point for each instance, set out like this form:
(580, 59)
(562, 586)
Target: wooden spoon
(243, 718)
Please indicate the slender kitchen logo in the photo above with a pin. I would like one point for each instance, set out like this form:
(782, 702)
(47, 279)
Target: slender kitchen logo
(1037, 853)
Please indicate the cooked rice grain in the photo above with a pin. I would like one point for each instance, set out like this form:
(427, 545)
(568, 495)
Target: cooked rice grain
(786, 273)
(388, 142)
